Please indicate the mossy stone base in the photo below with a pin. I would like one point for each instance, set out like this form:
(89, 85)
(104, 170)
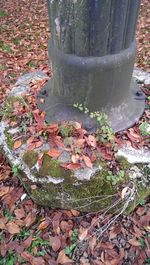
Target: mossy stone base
(52, 185)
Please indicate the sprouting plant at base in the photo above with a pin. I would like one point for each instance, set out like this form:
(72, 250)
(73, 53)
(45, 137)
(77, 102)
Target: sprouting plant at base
(115, 178)
(65, 130)
(15, 170)
(70, 250)
(107, 133)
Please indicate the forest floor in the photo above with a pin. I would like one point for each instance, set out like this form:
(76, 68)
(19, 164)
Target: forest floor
(30, 234)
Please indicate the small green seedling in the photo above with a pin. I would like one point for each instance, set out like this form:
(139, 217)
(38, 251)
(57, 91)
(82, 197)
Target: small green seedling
(15, 170)
(145, 129)
(70, 250)
(115, 178)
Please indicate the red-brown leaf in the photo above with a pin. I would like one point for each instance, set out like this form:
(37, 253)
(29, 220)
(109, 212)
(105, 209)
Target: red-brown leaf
(17, 144)
(55, 243)
(44, 224)
(87, 161)
(62, 258)
(54, 153)
(134, 242)
(12, 228)
(30, 219)
(71, 166)
(27, 243)
(4, 190)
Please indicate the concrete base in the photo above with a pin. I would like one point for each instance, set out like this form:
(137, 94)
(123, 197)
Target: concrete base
(85, 189)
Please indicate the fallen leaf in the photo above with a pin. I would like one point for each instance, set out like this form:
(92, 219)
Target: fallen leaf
(92, 244)
(79, 142)
(27, 256)
(76, 125)
(83, 233)
(87, 161)
(27, 243)
(75, 212)
(3, 191)
(44, 224)
(134, 242)
(54, 153)
(20, 213)
(71, 166)
(30, 219)
(75, 158)
(38, 261)
(17, 144)
(91, 140)
(12, 228)
(55, 243)
(62, 258)
(38, 144)
(140, 211)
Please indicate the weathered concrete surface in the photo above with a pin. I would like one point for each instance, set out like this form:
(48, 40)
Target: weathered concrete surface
(83, 189)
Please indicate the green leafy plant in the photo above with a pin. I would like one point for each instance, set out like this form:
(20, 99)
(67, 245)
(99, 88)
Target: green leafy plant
(145, 129)
(8, 215)
(105, 131)
(3, 13)
(38, 242)
(115, 178)
(15, 170)
(147, 261)
(142, 243)
(70, 250)
(65, 130)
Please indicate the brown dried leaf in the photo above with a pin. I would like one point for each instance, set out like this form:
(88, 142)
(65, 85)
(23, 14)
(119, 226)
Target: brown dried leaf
(30, 219)
(55, 243)
(27, 243)
(20, 213)
(83, 233)
(3, 191)
(134, 242)
(87, 161)
(92, 141)
(12, 228)
(62, 258)
(44, 224)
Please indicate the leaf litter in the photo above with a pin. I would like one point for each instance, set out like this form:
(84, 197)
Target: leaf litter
(37, 235)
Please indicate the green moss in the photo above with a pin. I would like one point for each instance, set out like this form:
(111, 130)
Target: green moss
(72, 193)
(9, 140)
(51, 168)
(9, 106)
(30, 158)
(124, 164)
